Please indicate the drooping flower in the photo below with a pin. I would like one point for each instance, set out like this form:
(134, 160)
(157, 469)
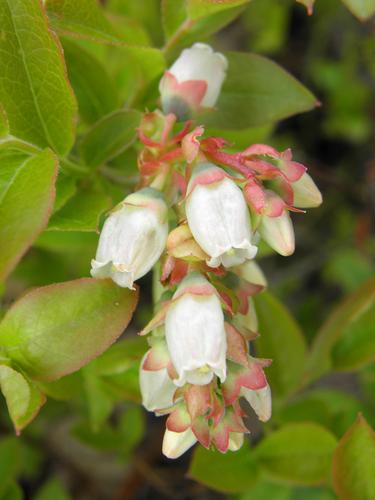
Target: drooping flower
(260, 400)
(193, 81)
(218, 217)
(132, 239)
(306, 193)
(157, 388)
(195, 334)
(278, 232)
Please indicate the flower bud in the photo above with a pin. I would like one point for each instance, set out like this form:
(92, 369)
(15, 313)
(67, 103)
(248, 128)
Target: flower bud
(193, 81)
(157, 388)
(306, 193)
(236, 440)
(132, 239)
(195, 334)
(260, 400)
(176, 443)
(278, 232)
(218, 217)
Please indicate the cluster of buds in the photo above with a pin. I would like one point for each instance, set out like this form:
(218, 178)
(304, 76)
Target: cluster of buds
(219, 205)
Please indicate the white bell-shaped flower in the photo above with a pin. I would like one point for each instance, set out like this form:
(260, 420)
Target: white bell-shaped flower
(306, 193)
(218, 217)
(278, 232)
(195, 334)
(157, 389)
(193, 81)
(132, 239)
(176, 443)
(260, 401)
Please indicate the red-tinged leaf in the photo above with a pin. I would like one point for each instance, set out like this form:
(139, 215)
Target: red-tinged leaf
(179, 420)
(57, 329)
(236, 345)
(24, 212)
(354, 463)
(157, 357)
(23, 398)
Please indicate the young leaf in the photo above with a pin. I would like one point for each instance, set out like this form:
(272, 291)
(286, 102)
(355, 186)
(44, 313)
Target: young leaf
(55, 330)
(34, 89)
(109, 137)
(299, 453)
(82, 212)
(96, 94)
(346, 329)
(363, 9)
(232, 472)
(354, 463)
(84, 20)
(201, 8)
(24, 212)
(281, 340)
(24, 400)
(257, 91)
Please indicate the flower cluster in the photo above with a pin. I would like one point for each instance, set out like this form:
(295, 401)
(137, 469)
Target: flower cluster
(218, 205)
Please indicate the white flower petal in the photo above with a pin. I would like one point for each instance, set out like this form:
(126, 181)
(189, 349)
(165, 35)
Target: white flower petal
(278, 232)
(157, 388)
(176, 443)
(195, 335)
(219, 220)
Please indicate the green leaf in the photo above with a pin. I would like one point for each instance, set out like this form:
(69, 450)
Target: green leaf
(12, 492)
(52, 489)
(10, 461)
(24, 400)
(354, 463)
(65, 189)
(109, 137)
(24, 212)
(267, 491)
(121, 356)
(96, 94)
(99, 402)
(356, 346)
(4, 124)
(363, 9)
(201, 8)
(281, 340)
(233, 472)
(257, 91)
(299, 453)
(346, 329)
(34, 89)
(85, 20)
(82, 212)
(182, 31)
(333, 409)
(55, 330)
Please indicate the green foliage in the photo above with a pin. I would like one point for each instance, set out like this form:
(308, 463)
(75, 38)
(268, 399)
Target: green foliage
(345, 339)
(282, 340)
(354, 463)
(299, 453)
(69, 110)
(24, 216)
(256, 92)
(233, 472)
(72, 322)
(34, 90)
